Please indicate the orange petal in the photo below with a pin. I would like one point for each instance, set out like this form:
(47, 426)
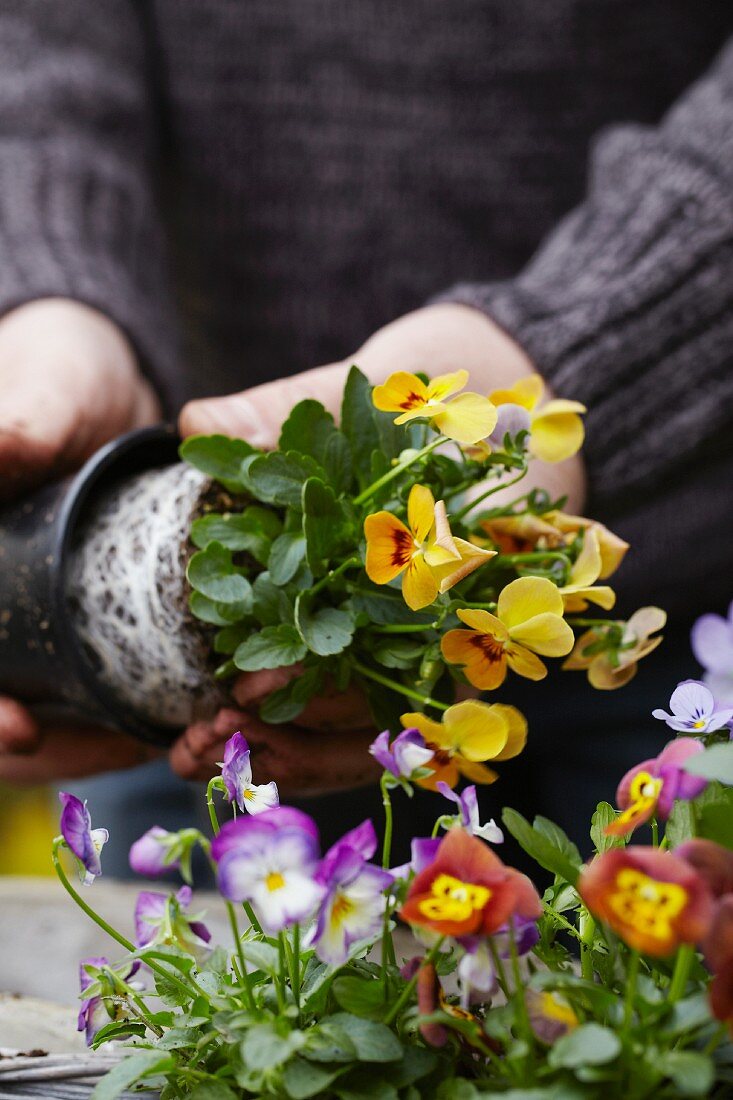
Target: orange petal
(485, 663)
(402, 392)
(389, 547)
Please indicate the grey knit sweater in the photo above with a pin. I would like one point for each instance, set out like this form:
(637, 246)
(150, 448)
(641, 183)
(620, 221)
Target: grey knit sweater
(250, 187)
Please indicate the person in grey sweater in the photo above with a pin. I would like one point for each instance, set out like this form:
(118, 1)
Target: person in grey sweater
(200, 196)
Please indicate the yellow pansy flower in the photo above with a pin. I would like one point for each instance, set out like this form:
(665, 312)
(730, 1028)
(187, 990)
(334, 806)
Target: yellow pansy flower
(528, 621)
(581, 588)
(614, 666)
(557, 431)
(470, 733)
(554, 530)
(465, 418)
(425, 552)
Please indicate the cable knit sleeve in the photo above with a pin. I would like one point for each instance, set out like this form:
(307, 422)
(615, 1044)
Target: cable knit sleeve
(77, 214)
(628, 305)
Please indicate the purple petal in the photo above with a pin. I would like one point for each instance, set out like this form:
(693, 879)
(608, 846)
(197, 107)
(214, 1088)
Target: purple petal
(149, 910)
(410, 752)
(692, 701)
(449, 793)
(148, 854)
(237, 833)
(712, 643)
(512, 419)
(380, 750)
(424, 850)
(199, 929)
(85, 979)
(76, 829)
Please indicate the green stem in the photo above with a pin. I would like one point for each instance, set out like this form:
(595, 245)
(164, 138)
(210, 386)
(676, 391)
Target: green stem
(533, 556)
(632, 974)
(215, 828)
(403, 628)
(407, 991)
(443, 822)
(388, 955)
(574, 621)
(334, 573)
(471, 605)
(655, 833)
(489, 492)
(681, 972)
(519, 997)
(587, 935)
(129, 994)
(292, 958)
(719, 1035)
(393, 685)
(397, 470)
(192, 989)
(499, 968)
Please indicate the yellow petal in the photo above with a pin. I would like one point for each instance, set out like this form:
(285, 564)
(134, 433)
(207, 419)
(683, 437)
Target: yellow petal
(547, 634)
(517, 738)
(526, 597)
(644, 622)
(432, 731)
(443, 536)
(400, 393)
(485, 664)
(605, 678)
(577, 599)
(484, 622)
(527, 392)
(466, 418)
(471, 557)
(612, 548)
(420, 512)
(578, 659)
(419, 587)
(556, 436)
(517, 534)
(477, 773)
(559, 405)
(476, 730)
(524, 663)
(389, 547)
(443, 385)
(587, 566)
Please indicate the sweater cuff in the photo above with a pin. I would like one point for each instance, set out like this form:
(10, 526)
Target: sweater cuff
(74, 224)
(628, 307)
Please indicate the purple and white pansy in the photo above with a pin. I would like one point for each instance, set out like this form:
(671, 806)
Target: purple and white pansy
(405, 756)
(160, 919)
(712, 644)
(153, 853)
(98, 1009)
(467, 802)
(85, 842)
(236, 771)
(511, 421)
(352, 908)
(270, 860)
(694, 709)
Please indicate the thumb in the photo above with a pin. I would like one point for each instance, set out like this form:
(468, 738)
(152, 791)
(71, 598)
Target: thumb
(257, 414)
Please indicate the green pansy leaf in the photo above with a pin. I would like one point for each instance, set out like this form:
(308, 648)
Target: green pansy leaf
(715, 763)
(327, 527)
(212, 1090)
(325, 632)
(361, 996)
(303, 1079)
(219, 457)
(385, 607)
(231, 637)
(587, 1045)
(417, 1062)
(338, 463)
(543, 850)
(287, 702)
(270, 604)
(262, 956)
(271, 647)
(212, 573)
(252, 530)
(715, 821)
(279, 477)
(395, 652)
(135, 1068)
(286, 555)
(358, 423)
(217, 614)
(329, 1042)
(374, 1042)
(265, 1048)
(558, 837)
(307, 430)
(680, 823)
(693, 1073)
(603, 816)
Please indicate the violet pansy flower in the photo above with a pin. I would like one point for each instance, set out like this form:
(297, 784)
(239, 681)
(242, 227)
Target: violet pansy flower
(694, 710)
(512, 420)
(423, 850)
(152, 854)
(406, 755)
(236, 771)
(270, 860)
(467, 801)
(85, 842)
(353, 906)
(651, 788)
(161, 919)
(95, 1010)
(712, 644)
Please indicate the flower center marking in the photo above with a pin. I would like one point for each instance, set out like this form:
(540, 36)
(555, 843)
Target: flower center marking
(644, 793)
(646, 903)
(491, 647)
(274, 881)
(453, 900)
(341, 908)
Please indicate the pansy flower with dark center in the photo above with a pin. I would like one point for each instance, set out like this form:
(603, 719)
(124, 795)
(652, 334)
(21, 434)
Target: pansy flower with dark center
(651, 788)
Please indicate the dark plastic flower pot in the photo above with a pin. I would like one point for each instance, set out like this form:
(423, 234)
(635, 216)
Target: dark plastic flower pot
(43, 660)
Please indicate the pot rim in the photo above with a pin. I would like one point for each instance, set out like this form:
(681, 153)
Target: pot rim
(133, 452)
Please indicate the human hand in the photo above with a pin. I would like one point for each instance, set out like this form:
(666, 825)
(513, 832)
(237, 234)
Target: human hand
(312, 752)
(69, 382)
